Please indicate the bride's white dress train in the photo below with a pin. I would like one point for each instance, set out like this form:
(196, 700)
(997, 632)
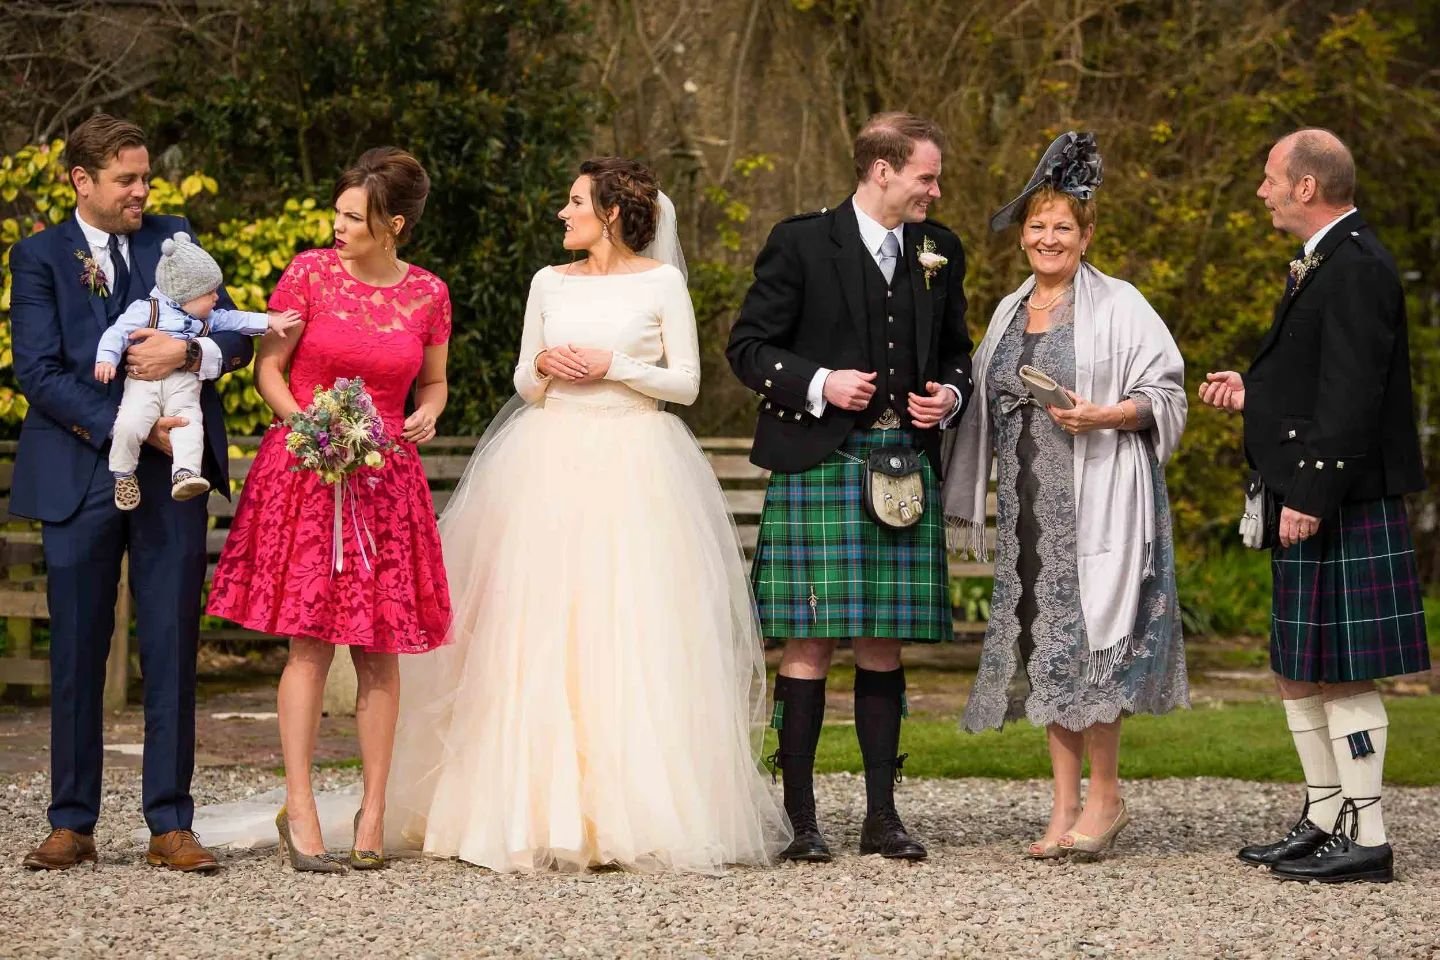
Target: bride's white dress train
(603, 696)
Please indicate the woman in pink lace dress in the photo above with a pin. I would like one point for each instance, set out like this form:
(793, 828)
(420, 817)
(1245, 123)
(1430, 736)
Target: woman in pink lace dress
(366, 314)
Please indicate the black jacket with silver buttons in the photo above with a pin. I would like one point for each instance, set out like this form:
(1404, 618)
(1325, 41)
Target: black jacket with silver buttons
(808, 309)
(1329, 413)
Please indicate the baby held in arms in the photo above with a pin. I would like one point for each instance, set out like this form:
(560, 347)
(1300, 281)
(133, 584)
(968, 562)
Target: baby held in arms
(182, 305)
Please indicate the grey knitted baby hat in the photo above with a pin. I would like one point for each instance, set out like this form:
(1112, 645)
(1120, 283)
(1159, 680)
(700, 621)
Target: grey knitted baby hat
(185, 271)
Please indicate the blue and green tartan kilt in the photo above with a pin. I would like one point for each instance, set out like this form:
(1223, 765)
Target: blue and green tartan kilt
(823, 568)
(1347, 603)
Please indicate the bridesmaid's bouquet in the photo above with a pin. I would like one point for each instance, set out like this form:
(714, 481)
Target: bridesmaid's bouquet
(339, 433)
(335, 436)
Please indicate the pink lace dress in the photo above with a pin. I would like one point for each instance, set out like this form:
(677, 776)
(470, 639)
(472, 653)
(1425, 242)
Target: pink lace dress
(277, 572)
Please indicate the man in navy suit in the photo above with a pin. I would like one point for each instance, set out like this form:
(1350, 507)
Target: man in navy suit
(70, 283)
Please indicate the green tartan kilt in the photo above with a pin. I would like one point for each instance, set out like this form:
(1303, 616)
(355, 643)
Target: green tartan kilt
(823, 568)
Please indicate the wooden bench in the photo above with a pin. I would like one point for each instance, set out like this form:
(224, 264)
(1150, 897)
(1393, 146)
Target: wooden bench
(22, 592)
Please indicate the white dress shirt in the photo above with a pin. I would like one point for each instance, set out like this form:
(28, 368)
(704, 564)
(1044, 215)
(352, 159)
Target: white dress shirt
(1319, 235)
(99, 240)
(872, 235)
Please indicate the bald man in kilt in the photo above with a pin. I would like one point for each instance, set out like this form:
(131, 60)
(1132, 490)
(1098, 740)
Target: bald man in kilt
(1330, 428)
(853, 334)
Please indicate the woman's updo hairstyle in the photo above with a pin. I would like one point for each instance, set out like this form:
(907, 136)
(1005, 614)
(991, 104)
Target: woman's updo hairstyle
(395, 185)
(630, 186)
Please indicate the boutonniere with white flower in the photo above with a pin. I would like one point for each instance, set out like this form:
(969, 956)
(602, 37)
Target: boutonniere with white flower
(1300, 269)
(92, 276)
(930, 261)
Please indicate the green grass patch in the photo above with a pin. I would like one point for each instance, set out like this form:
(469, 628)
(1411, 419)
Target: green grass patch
(1224, 591)
(1247, 741)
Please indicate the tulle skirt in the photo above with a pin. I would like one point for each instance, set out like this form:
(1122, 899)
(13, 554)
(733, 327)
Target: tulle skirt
(603, 698)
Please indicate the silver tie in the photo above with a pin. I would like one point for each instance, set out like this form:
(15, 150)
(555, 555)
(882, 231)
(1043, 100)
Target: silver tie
(889, 251)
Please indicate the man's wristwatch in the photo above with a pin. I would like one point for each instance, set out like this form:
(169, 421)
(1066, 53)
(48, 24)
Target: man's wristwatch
(192, 355)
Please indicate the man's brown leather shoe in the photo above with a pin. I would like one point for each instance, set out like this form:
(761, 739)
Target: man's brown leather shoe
(180, 850)
(61, 851)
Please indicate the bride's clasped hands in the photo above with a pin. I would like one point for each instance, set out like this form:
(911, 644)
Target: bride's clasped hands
(569, 362)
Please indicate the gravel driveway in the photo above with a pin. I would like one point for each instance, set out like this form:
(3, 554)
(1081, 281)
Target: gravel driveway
(1173, 889)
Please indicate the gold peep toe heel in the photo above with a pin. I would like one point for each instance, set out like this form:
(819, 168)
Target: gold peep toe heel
(1094, 846)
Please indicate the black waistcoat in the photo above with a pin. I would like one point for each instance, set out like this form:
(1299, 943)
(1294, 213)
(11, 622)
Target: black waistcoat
(890, 312)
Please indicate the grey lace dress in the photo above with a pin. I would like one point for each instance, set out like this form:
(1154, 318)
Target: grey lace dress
(1035, 616)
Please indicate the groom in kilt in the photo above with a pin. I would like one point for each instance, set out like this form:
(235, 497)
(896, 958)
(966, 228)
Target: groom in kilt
(1330, 428)
(853, 334)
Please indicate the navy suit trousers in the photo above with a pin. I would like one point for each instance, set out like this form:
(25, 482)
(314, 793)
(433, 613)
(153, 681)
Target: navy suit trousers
(166, 543)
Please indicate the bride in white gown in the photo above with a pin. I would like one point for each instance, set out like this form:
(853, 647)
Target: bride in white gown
(602, 697)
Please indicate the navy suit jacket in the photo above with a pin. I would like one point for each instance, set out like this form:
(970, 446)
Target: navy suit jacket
(56, 324)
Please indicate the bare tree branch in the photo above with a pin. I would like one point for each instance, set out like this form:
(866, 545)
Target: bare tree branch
(736, 84)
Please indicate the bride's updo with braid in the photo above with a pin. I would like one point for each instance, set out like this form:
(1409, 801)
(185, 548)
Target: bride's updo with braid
(630, 186)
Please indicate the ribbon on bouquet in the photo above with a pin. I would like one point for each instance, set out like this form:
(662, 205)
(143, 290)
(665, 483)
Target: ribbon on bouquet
(362, 529)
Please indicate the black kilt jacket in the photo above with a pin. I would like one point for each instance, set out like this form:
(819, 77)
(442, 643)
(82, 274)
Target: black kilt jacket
(806, 309)
(1329, 414)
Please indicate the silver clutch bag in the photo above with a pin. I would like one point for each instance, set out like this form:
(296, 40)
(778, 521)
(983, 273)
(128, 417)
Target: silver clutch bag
(1044, 389)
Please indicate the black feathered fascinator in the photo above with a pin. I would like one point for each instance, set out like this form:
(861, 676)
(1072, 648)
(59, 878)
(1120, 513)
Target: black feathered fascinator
(1071, 165)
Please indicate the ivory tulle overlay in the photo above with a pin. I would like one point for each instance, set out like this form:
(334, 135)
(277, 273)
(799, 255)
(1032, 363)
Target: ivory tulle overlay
(603, 698)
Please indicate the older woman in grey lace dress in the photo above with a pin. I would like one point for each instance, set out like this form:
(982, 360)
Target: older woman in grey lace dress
(1085, 625)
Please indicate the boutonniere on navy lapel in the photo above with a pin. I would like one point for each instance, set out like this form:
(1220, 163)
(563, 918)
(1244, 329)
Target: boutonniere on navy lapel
(91, 275)
(1300, 269)
(930, 261)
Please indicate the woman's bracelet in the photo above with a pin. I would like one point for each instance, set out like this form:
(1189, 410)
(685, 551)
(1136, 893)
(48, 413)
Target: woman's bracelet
(535, 366)
(1124, 415)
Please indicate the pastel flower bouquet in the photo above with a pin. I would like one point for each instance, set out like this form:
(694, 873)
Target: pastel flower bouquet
(339, 433)
(334, 437)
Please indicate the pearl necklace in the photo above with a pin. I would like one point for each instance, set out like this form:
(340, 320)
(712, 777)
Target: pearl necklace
(1047, 305)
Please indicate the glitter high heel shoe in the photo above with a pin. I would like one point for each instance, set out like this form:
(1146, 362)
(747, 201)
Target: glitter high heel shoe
(301, 862)
(364, 859)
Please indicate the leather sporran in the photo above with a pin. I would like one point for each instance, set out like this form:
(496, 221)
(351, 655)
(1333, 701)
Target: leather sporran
(894, 489)
(1260, 523)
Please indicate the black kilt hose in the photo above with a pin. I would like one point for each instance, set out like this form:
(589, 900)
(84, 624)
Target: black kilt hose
(1330, 426)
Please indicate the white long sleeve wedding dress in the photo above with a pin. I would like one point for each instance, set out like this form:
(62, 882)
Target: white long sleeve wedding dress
(601, 701)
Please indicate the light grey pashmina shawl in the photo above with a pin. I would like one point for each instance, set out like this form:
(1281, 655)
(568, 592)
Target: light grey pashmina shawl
(1122, 347)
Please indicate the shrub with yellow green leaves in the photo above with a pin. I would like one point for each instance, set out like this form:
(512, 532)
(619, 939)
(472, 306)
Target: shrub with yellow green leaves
(35, 194)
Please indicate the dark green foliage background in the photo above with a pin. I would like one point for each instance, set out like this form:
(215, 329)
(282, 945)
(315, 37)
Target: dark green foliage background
(487, 95)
